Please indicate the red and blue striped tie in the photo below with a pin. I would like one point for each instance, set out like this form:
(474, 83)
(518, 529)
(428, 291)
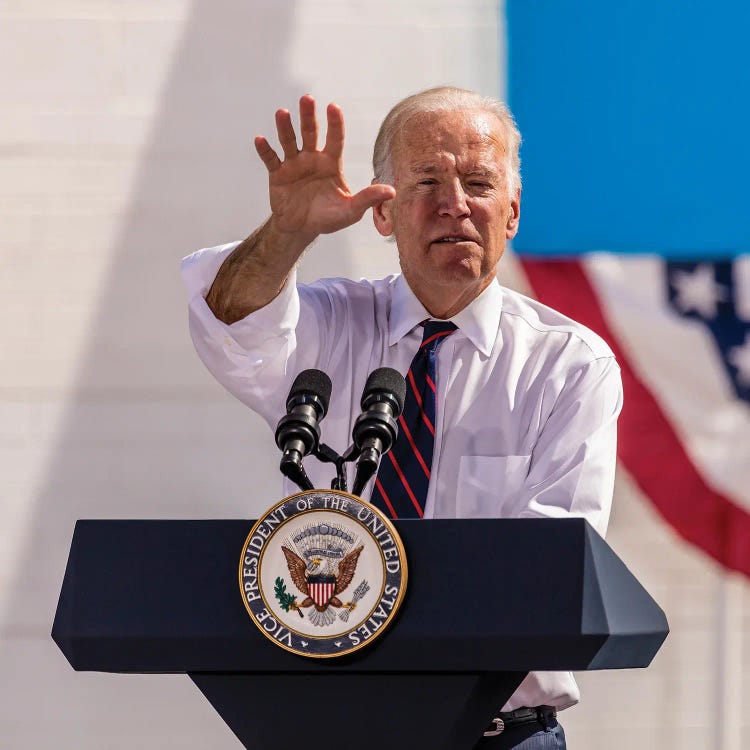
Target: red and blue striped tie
(404, 476)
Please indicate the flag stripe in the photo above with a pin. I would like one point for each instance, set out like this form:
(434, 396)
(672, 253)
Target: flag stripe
(683, 357)
(648, 445)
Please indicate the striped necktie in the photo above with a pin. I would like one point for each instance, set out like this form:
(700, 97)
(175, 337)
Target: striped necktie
(403, 478)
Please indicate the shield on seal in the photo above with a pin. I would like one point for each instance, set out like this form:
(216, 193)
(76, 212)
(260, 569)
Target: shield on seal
(321, 588)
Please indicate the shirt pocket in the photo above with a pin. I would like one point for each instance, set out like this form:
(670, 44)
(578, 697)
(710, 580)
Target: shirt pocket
(489, 484)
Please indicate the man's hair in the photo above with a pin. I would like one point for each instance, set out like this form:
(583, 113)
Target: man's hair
(444, 98)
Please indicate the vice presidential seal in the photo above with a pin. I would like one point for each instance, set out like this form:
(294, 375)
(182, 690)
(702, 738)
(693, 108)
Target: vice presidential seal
(323, 573)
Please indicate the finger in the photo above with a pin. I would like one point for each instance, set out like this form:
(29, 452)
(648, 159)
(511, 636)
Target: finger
(370, 196)
(335, 134)
(308, 123)
(287, 138)
(267, 155)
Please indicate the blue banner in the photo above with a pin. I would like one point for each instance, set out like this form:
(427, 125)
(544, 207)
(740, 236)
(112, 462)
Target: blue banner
(636, 118)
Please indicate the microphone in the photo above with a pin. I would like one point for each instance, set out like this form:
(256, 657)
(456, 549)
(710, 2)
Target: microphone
(298, 433)
(377, 427)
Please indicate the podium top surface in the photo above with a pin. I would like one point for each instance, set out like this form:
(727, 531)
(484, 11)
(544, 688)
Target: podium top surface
(483, 595)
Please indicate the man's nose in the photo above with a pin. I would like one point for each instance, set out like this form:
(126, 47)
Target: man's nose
(453, 200)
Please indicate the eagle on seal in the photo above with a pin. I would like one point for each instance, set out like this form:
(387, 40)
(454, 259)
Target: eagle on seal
(306, 576)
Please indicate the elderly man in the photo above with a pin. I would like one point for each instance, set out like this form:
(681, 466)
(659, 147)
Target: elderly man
(511, 408)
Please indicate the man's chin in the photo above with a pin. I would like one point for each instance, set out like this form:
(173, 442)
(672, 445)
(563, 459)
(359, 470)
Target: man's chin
(457, 272)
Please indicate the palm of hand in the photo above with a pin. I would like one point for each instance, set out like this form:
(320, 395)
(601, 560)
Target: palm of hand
(308, 192)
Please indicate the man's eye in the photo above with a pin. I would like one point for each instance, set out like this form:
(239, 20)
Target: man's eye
(484, 185)
(428, 182)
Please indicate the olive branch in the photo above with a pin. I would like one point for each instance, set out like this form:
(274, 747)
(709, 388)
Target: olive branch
(286, 600)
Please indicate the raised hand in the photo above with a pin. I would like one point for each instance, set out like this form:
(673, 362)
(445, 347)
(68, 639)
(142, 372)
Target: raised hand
(309, 194)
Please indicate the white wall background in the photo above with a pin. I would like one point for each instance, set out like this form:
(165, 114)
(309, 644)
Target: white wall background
(126, 133)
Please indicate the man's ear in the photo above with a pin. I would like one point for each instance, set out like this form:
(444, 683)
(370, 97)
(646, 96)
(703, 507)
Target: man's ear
(514, 216)
(382, 216)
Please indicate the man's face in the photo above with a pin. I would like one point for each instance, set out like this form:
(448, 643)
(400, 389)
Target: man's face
(452, 213)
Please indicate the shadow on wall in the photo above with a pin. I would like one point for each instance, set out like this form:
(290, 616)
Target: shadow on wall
(147, 432)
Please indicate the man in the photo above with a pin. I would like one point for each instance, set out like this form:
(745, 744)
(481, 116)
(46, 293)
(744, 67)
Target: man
(525, 401)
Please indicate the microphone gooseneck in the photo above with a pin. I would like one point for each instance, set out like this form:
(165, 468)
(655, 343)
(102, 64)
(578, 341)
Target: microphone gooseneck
(298, 433)
(376, 428)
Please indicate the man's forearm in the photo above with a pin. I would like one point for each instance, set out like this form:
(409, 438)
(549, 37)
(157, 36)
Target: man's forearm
(255, 272)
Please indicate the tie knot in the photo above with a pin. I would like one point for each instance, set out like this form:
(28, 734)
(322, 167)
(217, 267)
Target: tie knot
(435, 331)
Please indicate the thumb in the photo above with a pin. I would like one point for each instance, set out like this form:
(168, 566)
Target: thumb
(369, 196)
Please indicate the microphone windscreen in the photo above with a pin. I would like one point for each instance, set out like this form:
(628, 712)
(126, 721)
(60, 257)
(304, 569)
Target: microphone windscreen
(314, 382)
(388, 380)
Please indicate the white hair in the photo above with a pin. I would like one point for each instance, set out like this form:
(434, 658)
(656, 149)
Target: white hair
(445, 98)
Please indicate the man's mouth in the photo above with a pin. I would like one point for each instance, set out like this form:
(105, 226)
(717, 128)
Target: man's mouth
(452, 238)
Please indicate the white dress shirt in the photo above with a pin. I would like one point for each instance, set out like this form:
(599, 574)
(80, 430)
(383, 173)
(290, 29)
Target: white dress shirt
(527, 399)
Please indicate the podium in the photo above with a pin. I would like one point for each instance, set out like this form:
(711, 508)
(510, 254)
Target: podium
(487, 601)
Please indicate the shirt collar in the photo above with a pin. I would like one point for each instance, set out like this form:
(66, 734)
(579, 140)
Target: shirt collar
(479, 320)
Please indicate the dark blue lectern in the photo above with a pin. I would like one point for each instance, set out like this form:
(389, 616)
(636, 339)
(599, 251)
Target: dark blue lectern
(487, 601)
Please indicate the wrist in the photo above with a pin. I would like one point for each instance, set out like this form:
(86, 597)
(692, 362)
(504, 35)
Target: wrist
(292, 241)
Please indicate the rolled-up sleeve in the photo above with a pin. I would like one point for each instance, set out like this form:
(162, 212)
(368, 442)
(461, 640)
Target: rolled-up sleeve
(253, 357)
